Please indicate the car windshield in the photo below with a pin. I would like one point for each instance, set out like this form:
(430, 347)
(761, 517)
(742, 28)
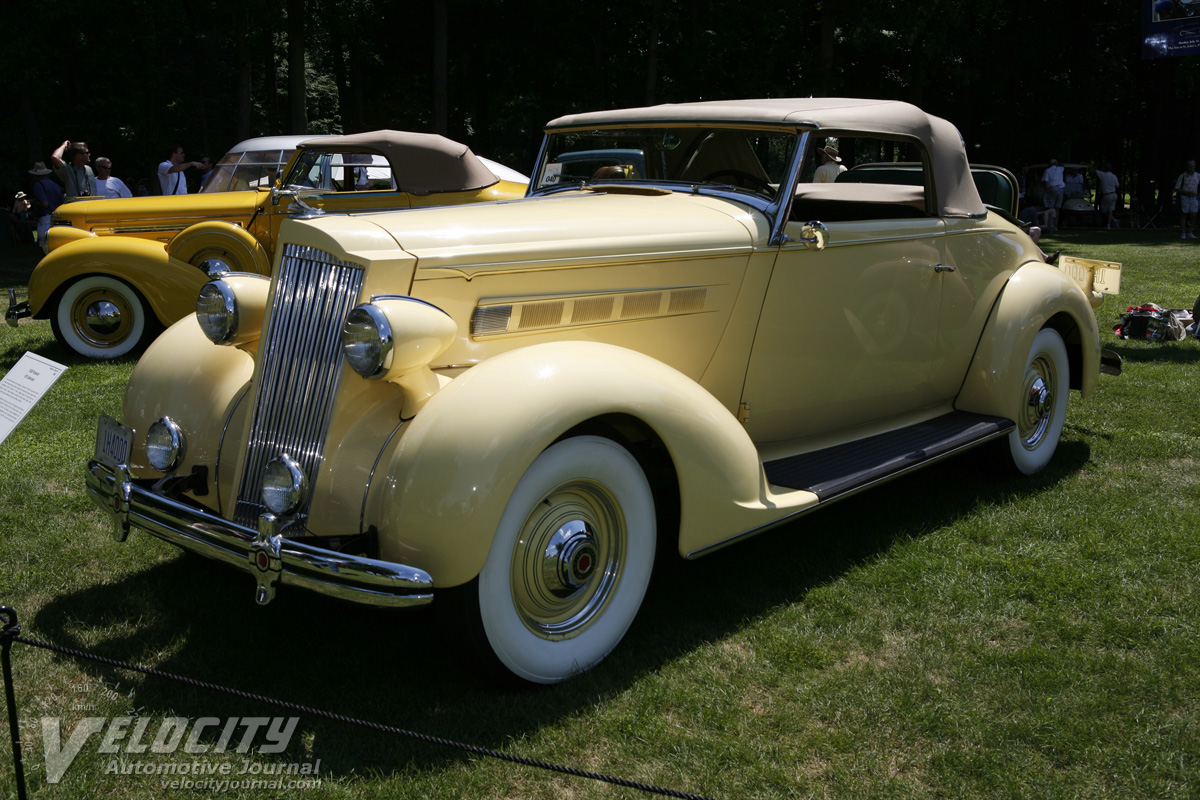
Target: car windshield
(252, 169)
(341, 172)
(754, 161)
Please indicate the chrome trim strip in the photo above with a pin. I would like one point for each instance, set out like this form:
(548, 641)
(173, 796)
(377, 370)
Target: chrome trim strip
(712, 548)
(221, 444)
(362, 514)
(366, 581)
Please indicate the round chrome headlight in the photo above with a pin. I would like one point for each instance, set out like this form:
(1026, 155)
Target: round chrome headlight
(217, 312)
(284, 486)
(367, 341)
(164, 445)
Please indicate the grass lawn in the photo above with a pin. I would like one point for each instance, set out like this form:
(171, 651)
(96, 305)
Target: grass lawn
(953, 634)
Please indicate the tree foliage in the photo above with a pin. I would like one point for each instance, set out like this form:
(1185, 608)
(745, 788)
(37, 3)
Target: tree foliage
(1024, 81)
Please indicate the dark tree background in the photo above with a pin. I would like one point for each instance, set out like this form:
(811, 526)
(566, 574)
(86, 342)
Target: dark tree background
(1025, 81)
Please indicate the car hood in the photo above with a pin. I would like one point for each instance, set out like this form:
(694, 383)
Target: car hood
(576, 229)
(88, 213)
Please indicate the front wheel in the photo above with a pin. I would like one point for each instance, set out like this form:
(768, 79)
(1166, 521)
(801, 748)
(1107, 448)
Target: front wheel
(1043, 407)
(570, 561)
(100, 316)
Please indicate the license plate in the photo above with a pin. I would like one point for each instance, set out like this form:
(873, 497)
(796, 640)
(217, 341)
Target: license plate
(113, 442)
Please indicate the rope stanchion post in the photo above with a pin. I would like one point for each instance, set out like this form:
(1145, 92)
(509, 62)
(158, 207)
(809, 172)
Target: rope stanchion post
(8, 633)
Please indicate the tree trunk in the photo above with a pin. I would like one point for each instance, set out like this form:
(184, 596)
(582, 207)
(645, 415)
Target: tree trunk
(297, 83)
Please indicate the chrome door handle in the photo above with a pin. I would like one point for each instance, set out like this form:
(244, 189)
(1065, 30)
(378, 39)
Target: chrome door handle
(944, 268)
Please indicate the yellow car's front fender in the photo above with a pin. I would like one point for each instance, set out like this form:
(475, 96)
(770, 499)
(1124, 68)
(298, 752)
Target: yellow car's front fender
(1036, 296)
(169, 285)
(222, 240)
(443, 484)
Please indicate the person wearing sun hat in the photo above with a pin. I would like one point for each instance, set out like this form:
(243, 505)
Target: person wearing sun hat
(47, 196)
(831, 165)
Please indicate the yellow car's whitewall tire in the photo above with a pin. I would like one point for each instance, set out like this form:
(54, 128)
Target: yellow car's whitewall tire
(1044, 387)
(570, 562)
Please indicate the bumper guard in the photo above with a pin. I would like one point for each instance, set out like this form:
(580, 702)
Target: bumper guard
(270, 557)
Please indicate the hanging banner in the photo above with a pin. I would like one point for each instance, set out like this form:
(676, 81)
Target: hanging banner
(1170, 28)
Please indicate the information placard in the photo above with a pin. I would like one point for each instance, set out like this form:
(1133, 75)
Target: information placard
(22, 387)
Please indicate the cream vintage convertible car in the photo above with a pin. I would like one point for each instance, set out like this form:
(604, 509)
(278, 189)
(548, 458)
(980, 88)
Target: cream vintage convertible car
(120, 270)
(510, 408)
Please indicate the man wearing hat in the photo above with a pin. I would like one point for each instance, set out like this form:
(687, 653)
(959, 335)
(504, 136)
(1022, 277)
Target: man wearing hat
(831, 166)
(47, 196)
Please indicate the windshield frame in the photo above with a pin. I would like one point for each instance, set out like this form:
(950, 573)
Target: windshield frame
(775, 208)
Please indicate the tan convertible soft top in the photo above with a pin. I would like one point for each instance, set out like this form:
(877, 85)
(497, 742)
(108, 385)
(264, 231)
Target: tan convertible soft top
(423, 163)
(955, 190)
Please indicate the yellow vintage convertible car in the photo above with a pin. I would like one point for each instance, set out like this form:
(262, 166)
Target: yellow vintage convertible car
(119, 270)
(677, 341)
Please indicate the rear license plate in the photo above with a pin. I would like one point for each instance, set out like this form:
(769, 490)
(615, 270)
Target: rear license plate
(113, 442)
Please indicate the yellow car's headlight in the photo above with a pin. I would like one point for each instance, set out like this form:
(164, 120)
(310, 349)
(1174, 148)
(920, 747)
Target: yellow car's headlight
(231, 310)
(394, 336)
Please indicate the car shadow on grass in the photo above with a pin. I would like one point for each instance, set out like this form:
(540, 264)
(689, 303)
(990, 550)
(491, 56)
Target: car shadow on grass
(1184, 352)
(196, 618)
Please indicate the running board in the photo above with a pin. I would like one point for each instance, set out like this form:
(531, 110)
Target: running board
(838, 471)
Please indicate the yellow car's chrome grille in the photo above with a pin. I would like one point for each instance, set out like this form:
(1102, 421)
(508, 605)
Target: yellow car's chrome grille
(301, 362)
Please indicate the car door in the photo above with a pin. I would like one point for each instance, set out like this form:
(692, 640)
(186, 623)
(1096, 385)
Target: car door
(847, 332)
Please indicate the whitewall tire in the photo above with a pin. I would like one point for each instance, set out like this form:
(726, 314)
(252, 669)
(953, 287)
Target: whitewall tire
(570, 562)
(1043, 409)
(99, 316)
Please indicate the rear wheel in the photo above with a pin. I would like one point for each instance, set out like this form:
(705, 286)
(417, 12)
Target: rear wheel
(570, 561)
(100, 316)
(1043, 408)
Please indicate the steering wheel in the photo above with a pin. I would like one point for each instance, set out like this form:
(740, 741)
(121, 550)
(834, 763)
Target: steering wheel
(751, 181)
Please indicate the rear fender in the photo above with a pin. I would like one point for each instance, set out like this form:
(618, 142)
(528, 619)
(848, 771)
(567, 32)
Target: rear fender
(1036, 296)
(170, 286)
(443, 484)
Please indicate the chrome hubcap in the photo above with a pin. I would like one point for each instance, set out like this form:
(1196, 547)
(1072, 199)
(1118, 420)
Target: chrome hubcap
(1038, 409)
(101, 317)
(568, 559)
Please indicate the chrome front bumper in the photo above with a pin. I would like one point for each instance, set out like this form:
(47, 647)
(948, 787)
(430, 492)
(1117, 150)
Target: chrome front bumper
(268, 556)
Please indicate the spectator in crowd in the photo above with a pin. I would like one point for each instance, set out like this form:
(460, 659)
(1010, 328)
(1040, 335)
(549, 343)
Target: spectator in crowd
(831, 166)
(170, 172)
(1186, 186)
(143, 188)
(106, 184)
(1106, 193)
(47, 196)
(70, 162)
(1053, 187)
(21, 221)
(207, 168)
(1073, 182)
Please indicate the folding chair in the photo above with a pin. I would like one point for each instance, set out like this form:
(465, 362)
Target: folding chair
(1139, 217)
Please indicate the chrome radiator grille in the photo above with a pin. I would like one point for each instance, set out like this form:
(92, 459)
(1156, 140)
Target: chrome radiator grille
(301, 361)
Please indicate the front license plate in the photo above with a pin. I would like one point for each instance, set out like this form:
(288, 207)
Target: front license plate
(113, 442)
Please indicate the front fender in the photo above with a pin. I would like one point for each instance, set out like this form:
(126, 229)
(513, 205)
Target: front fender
(449, 475)
(199, 384)
(170, 286)
(224, 240)
(1036, 296)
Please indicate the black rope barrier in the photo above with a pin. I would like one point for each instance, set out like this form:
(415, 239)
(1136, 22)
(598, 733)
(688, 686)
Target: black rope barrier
(11, 633)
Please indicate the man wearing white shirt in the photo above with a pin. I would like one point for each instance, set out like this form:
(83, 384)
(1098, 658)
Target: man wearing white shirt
(106, 184)
(170, 172)
(1187, 187)
(1053, 186)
